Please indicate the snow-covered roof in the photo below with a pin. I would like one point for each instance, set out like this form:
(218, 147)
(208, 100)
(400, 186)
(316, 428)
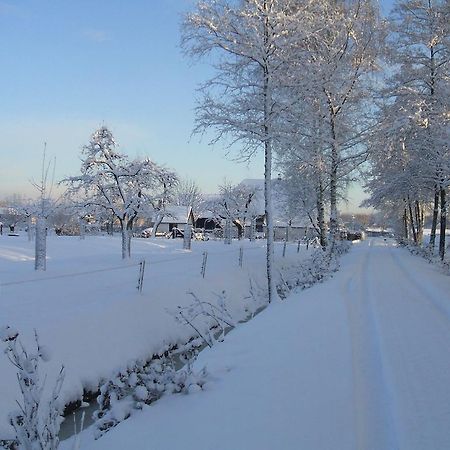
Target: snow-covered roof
(375, 229)
(177, 214)
(206, 214)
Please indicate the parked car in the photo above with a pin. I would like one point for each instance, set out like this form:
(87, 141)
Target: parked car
(175, 233)
(147, 232)
(200, 235)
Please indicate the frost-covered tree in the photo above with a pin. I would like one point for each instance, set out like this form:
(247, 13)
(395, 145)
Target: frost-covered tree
(420, 50)
(236, 204)
(304, 166)
(304, 189)
(340, 57)
(12, 215)
(325, 130)
(410, 157)
(395, 178)
(240, 104)
(110, 182)
(188, 193)
(168, 181)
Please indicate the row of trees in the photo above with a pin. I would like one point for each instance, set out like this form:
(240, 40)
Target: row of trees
(113, 189)
(327, 87)
(410, 159)
(322, 88)
(294, 80)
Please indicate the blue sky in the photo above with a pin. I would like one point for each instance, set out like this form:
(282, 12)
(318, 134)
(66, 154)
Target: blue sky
(69, 66)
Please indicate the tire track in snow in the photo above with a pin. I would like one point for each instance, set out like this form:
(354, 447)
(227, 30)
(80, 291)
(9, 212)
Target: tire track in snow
(418, 334)
(372, 399)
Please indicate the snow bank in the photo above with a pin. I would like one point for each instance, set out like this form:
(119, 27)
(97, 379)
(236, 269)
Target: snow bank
(96, 322)
(357, 362)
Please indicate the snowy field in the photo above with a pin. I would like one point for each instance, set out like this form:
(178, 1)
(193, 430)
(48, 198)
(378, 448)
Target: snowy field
(88, 312)
(359, 362)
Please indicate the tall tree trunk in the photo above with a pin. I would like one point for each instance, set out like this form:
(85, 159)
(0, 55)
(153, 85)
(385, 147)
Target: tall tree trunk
(321, 217)
(159, 218)
(112, 226)
(228, 232)
(405, 224)
(29, 228)
(333, 175)
(40, 258)
(267, 94)
(269, 221)
(130, 225)
(252, 229)
(422, 222)
(432, 242)
(443, 223)
(126, 239)
(419, 221)
(82, 227)
(411, 218)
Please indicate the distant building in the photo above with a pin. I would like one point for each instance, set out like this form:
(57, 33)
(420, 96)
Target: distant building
(207, 220)
(296, 227)
(176, 217)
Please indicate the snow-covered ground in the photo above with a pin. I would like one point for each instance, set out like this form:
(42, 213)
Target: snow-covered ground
(358, 362)
(88, 312)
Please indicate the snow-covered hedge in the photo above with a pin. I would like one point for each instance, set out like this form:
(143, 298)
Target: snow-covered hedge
(146, 382)
(311, 271)
(426, 253)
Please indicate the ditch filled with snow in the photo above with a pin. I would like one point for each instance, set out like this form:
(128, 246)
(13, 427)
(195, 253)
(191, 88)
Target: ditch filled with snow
(357, 362)
(87, 311)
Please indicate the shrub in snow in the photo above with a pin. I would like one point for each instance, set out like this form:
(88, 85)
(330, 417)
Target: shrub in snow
(208, 320)
(256, 299)
(36, 423)
(314, 270)
(145, 383)
(426, 253)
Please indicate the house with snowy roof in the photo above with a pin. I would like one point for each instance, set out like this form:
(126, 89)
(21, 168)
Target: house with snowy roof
(175, 217)
(297, 227)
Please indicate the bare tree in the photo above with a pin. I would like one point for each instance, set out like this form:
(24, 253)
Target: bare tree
(44, 206)
(188, 193)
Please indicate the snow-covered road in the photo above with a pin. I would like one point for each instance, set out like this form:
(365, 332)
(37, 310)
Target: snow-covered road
(359, 362)
(399, 310)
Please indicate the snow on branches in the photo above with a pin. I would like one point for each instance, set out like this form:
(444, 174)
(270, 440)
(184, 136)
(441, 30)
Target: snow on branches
(410, 167)
(235, 203)
(110, 182)
(146, 382)
(208, 320)
(37, 421)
